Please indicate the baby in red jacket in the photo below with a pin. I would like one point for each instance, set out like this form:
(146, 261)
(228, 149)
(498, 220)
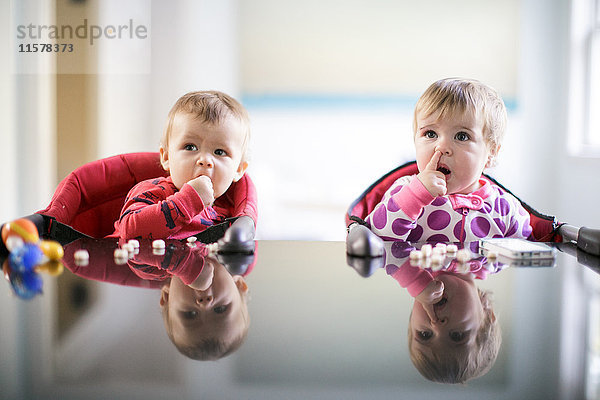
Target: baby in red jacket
(204, 150)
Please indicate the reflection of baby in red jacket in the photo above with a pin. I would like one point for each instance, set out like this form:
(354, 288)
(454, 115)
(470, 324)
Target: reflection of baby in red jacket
(453, 333)
(177, 259)
(207, 319)
(204, 307)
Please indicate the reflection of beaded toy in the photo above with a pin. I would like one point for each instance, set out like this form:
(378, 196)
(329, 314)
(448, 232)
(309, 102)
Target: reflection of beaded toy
(28, 255)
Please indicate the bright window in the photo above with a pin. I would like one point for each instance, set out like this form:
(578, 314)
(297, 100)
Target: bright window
(594, 76)
(584, 113)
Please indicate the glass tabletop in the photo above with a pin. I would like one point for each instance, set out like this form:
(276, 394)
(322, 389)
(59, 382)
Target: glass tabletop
(299, 320)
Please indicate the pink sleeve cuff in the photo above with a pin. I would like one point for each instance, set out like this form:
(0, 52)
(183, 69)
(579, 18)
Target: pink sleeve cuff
(412, 198)
(414, 279)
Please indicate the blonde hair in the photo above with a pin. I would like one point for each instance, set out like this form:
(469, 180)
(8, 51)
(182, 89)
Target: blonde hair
(452, 96)
(211, 348)
(465, 365)
(207, 349)
(211, 107)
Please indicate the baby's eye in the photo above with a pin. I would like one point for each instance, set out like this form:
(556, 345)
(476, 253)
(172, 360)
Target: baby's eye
(424, 335)
(462, 137)
(190, 147)
(458, 336)
(189, 314)
(220, 152)
(430, 134)
(220, 309)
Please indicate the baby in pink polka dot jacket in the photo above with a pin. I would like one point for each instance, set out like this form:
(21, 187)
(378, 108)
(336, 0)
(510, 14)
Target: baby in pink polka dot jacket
(458, 129)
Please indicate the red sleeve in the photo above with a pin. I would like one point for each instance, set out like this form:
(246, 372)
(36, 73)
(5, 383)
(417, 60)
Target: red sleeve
(155, 209)
(178, 260)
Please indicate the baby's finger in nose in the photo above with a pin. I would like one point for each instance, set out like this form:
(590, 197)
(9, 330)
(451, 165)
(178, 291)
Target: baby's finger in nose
(433, 163)
(430, 312)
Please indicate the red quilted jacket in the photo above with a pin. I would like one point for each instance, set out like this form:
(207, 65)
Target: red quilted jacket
(90, 198)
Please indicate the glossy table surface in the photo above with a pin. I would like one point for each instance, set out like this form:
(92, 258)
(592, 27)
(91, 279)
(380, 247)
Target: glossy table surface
(320, 325)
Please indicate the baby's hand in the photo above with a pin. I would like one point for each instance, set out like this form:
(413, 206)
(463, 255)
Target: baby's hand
(433, 180)
(205, 279)
(432, 293)
(203, 185)
(429, 296)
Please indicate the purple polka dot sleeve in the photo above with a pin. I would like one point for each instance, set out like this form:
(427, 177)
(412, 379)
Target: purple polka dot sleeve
(408, 212)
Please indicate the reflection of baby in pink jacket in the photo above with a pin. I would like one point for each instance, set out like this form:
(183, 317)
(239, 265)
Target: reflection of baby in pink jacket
(416, 279)
(453, 333)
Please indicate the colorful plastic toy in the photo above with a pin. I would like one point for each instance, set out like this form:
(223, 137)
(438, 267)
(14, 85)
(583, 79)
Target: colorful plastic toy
(22, 230)
(28, 256)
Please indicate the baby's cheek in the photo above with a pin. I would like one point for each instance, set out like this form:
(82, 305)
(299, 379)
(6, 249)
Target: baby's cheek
(177, 182)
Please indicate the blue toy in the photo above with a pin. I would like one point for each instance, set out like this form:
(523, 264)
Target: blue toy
(27, 257)
(26, 285)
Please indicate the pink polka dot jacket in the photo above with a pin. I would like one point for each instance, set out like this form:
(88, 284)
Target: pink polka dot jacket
(415, 278)
(409, 212)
